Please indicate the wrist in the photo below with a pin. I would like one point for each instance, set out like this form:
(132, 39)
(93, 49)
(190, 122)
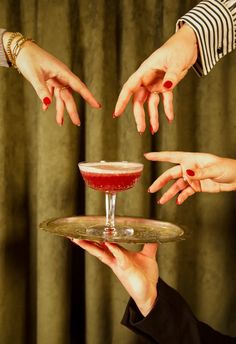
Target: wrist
(146, 307)
(188, 33)
(13, 42)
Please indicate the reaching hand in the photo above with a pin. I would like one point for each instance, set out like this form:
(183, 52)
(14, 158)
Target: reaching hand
(49, 77)
(159, 74)
(137, 271)
(195, 172)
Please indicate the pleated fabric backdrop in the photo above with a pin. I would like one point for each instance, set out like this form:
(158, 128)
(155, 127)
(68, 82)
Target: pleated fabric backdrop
(50, 291)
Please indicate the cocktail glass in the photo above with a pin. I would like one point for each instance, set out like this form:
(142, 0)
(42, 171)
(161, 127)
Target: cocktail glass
(110, 178)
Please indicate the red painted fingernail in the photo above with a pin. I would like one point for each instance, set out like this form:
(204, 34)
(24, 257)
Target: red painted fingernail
(99, 105)
(62, 121)
(168, 84)
(151, 130)
(46, 101)
(177, 202)
(190, 173)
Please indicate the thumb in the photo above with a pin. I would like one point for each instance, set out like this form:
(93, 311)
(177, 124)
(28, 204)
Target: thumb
(41, 88)
(203, 173)
(150, 250)
(172, 77)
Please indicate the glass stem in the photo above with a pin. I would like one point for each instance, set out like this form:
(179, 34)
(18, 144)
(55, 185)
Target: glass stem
(110, 211)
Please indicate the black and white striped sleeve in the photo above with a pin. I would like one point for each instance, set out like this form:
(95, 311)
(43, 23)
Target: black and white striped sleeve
(3, 58)
(214, 23)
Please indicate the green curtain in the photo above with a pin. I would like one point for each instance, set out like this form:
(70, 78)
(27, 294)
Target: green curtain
(50, 291)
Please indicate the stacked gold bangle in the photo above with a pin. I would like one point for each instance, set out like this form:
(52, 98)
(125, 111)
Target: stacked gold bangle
(14, 52)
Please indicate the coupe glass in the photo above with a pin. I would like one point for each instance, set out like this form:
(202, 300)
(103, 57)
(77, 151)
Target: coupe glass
(110, 178)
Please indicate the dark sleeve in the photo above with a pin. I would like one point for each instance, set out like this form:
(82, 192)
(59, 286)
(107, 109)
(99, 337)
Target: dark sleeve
(214, 23)
(171, 321)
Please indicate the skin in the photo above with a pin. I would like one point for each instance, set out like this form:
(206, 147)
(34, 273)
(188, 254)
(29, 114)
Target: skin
(137, 271)
(170, 63)
(211, 174)
(50, 77)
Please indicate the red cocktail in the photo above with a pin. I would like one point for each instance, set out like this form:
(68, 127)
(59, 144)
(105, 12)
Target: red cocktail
(110, 177)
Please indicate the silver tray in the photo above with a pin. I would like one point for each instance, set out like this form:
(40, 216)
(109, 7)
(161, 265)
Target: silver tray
(145, 230)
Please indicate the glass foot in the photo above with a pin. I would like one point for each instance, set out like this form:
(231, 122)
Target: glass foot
(109, 233)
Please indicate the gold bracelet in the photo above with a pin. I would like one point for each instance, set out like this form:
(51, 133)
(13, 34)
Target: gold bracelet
(8, 48)
(14, 52)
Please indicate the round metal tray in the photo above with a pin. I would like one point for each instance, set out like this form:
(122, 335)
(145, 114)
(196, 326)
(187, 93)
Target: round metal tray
(144, 230)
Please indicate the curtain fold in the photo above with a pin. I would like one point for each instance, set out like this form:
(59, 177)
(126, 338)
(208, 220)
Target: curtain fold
(50, 291)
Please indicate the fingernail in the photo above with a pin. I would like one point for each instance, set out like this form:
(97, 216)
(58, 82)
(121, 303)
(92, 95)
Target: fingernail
(99, 105)
(140, 133)
(114, 115)
(159, 201)
(151, 130)
(46, 101)
(78, 125)
(170, 121)
(168, 84)
(190, 173)
(177, 202)
(62, 121)
(149, 190)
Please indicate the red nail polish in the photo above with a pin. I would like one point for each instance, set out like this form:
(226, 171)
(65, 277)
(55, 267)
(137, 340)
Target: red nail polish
(190, 173)
(177, 202)
(46, 101)
(168, 84)
(151, 130)
(99, 105)
(62, 121)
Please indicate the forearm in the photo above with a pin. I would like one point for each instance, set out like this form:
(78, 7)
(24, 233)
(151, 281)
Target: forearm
(171, 321)
(214, 23)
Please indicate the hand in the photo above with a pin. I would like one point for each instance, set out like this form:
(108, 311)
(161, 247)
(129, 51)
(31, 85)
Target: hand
(49, 77)
(137, 271)
(159, 74)
(195, 172)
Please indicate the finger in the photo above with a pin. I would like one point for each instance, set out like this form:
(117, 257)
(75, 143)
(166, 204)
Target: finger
(95, 250)
(187, 192)
(128, 89)
(210, 172)
(153, 101)
(168, 105)
(41, 88)
(118, 253)
(70, 105)
(66, 77)
(139, 114)
(172, 76)
(60, 107)
(168, 156)
(178, 186)
(150, 250)
(51, 90)
(170, 174)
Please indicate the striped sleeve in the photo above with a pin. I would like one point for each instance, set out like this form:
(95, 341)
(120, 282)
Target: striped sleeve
(3, 59)
(214, 23)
